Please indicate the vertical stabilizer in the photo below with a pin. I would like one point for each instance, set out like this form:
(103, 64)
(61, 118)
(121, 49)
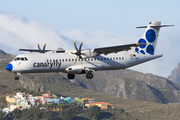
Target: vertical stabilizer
(150, 38)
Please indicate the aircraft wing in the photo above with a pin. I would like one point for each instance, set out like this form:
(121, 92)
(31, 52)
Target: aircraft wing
(33, 50)
(115, 49)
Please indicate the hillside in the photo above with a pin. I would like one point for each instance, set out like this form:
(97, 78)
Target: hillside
(132, 85)
(124, 88)
(175, 74)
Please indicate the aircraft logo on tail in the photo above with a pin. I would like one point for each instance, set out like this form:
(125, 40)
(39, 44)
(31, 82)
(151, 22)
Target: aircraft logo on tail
(149, 38)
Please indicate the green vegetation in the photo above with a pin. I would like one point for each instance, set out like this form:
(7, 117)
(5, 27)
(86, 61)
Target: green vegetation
(30, 92)
(36, 113)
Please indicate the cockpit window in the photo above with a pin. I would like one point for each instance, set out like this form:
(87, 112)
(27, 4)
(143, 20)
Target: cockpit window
(16, 59)
(26, 59)
(20, 59)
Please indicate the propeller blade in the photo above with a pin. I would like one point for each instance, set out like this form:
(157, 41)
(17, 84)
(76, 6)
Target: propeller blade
(78, 51)
(80, 47)
(75, 46)
(39, 47)
(44, 48)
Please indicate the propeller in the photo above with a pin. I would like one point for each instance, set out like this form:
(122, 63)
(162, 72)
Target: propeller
(41, 51)
(78, 51)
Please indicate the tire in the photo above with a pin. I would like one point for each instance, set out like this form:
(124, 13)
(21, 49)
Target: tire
(89, 75)
(71, 76)
(16, 78)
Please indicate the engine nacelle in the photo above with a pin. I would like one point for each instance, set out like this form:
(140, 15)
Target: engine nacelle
(89, 53)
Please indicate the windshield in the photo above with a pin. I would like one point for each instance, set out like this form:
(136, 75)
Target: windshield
(20, 59)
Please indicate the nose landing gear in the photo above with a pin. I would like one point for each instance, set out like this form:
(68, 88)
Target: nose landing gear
(17, 76)
(71, 76)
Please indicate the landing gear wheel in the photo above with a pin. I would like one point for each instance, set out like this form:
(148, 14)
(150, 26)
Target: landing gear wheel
(16, 77)
(71, 76)
(89, 75)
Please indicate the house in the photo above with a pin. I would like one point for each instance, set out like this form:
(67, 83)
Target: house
(10, 99)
(68, 100)
(54, 101)
(45, 96)
(32, 99)
(102, 105)
(91, 100)
(19, 95)
(84, 100)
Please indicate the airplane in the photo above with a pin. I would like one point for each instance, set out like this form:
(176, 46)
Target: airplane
(88, 61)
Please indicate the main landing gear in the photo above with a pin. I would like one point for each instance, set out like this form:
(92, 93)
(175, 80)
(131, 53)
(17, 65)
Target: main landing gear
(89, 75)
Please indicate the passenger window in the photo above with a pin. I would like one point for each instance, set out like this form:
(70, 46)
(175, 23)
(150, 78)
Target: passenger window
(107, 58)
(101, 58)
(113, 58)
(95, 59)
(91, 59)
(26, 59)
(59, 60)
(122, 58)
(119, 58)
(116, 58)
(66, 60)
(104, 58)
(72, 59)
(110, 58)
(98, 58)
(63, 60)
(75, 59)
(69, 60)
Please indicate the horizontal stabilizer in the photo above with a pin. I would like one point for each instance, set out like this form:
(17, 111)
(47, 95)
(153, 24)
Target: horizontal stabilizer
(156, 26)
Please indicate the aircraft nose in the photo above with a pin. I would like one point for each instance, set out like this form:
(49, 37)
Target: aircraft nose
(9, 67)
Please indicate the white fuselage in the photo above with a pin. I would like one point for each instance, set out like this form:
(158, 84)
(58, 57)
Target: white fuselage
(69, 63)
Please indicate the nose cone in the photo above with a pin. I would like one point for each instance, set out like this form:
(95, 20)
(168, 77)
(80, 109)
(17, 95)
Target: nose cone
(9, 67)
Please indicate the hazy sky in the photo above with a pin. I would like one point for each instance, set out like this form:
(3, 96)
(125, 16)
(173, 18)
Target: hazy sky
(98, 23)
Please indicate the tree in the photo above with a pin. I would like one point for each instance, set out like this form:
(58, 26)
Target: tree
(67, 114)
(17, 114)
(2, 115)
(95, 112)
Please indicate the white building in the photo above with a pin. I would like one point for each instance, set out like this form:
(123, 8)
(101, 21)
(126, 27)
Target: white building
(32, 99)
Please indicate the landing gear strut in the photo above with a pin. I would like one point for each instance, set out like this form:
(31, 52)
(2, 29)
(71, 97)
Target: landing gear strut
(89, 75)
(71, 76)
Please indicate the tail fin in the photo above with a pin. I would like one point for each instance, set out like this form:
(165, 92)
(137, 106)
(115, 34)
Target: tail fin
(150, 38)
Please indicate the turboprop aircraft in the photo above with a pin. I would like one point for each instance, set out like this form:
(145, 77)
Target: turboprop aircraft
(88, 61)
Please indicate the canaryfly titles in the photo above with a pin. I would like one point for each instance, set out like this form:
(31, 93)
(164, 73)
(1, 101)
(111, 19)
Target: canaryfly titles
(47, 64)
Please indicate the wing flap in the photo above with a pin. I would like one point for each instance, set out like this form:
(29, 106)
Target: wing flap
(115, 49)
